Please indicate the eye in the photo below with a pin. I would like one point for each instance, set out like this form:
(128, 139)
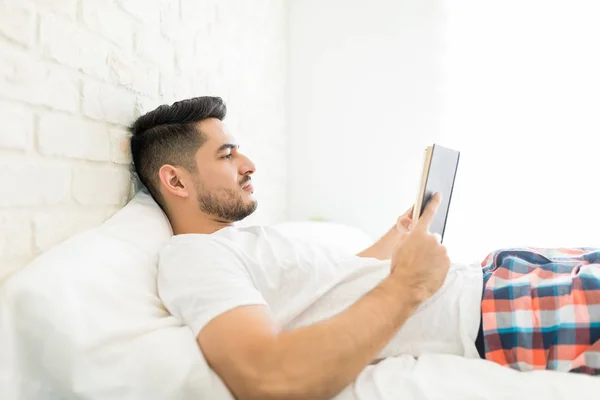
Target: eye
(228, 156)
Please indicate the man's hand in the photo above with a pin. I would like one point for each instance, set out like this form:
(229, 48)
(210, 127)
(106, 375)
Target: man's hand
(421, 262)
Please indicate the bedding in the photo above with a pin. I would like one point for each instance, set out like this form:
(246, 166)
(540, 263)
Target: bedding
(84, 320)
(437, 376)
(541, 309)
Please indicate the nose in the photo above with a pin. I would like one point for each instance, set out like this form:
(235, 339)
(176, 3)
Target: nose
(247, 167)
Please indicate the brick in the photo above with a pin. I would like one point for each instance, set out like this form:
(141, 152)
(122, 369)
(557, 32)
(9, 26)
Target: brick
(58, 39)
(154, 47)
(133, 73)
(93, 53)
(57, 89)
(170, 21)
(28, 182)
(120, 146)
(176, 87)
(108, 103)
(17, 23)
(166, 90)
(145, 104)
(68, 136)
(108, 20)
(147, 11)
(101, 186)
(23, 76)
(17, 72)
(65, 7)
(15, 234)
(186, 63)
(205, 49)
(65, 42)
(194, 12)
(51, 228)
(16, 131)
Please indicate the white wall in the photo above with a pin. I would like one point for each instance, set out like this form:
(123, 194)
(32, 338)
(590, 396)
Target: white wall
(514, 85)
(74, 73)
(364, 103)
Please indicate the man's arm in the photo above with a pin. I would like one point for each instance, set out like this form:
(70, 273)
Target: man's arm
(384, 247)
(256, 361)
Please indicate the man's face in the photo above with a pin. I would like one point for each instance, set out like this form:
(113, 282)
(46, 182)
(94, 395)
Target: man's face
(222, 181)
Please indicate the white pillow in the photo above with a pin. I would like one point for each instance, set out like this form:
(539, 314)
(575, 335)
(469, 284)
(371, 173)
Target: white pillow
(340, 236)
(84, 319)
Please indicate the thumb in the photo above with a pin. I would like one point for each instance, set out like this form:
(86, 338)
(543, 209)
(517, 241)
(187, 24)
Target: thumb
(430, 209)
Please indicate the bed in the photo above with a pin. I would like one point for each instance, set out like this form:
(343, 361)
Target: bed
(84, 320)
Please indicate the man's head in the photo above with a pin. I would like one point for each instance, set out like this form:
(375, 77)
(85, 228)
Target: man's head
(191, 164)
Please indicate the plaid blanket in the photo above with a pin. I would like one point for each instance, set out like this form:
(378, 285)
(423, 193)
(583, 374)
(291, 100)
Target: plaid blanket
(541, 309)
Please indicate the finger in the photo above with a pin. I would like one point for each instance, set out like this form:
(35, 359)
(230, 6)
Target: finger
(402, 224)
(438, 237)
(426, 218)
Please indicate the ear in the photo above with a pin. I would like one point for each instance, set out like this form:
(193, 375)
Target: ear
(173, 180)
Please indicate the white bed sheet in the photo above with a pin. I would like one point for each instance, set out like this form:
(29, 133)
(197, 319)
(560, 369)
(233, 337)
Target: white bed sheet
(452, 377)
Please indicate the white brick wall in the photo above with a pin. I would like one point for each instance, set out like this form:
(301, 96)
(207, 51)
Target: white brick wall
(17, 23)
(75, 137)
(18, 126)
(75, 73)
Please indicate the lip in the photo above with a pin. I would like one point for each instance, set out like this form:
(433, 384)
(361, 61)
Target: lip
(248, 187)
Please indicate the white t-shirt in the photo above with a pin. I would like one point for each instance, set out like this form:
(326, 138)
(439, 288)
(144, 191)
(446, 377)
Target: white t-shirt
(202, 276)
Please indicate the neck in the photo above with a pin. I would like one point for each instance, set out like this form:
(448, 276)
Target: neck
(198, 222)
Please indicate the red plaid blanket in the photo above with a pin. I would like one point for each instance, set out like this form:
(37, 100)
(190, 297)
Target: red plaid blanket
(541, 309)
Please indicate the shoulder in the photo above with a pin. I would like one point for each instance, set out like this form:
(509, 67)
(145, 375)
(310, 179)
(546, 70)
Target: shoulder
(193, 249)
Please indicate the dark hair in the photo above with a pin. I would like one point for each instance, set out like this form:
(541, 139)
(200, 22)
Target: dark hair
(169, 135)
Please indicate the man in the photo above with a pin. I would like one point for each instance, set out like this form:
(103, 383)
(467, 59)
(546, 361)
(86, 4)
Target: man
(277, 318)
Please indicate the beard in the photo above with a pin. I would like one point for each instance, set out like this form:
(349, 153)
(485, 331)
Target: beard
(225, 204)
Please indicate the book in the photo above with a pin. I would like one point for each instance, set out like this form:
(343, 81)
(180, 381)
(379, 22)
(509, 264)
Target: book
(438, 175)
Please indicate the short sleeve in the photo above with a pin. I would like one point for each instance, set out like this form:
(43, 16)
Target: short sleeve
(199, 279)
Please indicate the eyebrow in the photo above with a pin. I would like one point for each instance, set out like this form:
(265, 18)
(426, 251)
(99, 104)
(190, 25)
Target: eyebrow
(227, 146)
